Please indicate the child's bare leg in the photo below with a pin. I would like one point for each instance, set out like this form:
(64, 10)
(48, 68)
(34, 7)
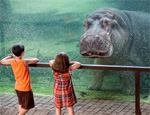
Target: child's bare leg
(19, 108)
(23, 111)
(70, 111)
(58, 111)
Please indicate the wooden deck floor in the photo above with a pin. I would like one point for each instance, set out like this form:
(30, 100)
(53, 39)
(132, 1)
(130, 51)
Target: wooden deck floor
(44, 106)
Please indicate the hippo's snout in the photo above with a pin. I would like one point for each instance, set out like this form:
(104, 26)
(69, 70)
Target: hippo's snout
(98, 45)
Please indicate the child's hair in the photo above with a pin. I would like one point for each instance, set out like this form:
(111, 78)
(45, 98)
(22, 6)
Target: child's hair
(17, 49)
(61, 63)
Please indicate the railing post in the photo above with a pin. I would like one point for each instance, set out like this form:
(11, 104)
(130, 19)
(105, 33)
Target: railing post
(137, 93)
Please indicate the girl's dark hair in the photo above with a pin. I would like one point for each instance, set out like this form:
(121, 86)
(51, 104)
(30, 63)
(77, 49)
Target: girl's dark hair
(61, 63)
(17, 49)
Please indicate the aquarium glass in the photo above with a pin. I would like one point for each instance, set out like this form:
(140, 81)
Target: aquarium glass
(47, 27)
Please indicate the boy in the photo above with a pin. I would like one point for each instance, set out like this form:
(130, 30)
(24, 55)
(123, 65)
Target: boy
(22, 76)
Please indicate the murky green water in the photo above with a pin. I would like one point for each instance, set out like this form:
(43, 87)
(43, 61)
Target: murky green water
(47, 27)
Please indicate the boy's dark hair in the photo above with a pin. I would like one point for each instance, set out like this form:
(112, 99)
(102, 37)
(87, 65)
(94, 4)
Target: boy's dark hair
(17, 49)
(61, 63)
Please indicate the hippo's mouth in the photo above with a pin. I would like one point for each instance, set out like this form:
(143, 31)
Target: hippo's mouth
(98, 54)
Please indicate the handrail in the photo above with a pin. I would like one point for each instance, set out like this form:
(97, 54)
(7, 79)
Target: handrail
(98, 67)
(136, 69)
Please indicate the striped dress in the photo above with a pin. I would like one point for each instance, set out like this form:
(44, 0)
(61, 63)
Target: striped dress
(63, 91)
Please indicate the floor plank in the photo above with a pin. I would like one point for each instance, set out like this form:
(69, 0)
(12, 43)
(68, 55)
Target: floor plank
(31, 112)
(41, 112)
(45, 106)
(11, 111)
(2, 110)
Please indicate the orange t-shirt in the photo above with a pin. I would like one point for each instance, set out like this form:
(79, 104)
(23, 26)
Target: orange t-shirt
(22, 75)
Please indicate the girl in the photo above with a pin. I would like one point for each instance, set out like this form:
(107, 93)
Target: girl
(63, 91)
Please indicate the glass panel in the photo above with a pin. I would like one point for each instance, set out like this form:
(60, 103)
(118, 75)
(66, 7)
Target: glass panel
(47, 27)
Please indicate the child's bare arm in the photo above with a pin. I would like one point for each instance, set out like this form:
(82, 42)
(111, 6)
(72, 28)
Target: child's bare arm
(31, 60)
(51, 62)
(74, 65)
(7, 60)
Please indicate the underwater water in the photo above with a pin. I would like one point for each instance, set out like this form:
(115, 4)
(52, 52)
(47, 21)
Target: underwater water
(47, 27)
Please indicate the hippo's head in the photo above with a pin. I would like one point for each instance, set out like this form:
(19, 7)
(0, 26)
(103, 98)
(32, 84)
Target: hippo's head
(105, 32)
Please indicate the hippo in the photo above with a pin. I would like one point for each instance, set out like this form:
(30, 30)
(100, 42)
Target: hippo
(117, 37)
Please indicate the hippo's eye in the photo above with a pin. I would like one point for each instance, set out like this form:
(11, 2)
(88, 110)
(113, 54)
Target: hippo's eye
(106, 23)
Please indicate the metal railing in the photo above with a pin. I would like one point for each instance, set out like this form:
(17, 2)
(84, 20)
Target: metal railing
(136, 69)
